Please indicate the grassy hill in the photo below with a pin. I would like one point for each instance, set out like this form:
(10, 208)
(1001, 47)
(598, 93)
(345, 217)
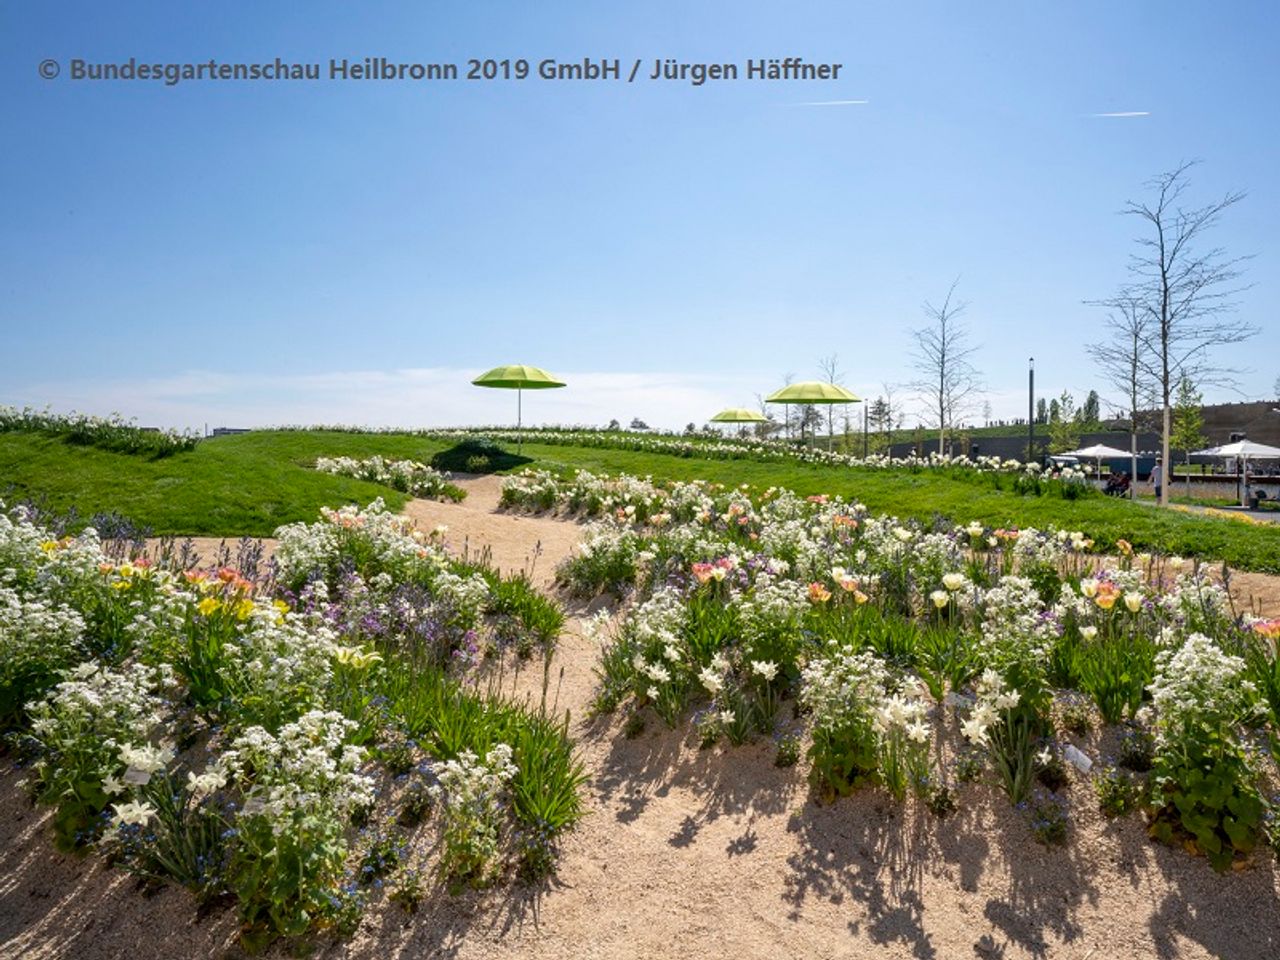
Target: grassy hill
(250, 483)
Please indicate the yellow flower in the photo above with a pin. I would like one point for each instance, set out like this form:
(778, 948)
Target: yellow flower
(1106, 600)
(126, 569)
(1133, 600)
(120, 585)
(357, 658)
(940, 598)
(208, 605)
(49, 546)
(280, 605)
(244, 608)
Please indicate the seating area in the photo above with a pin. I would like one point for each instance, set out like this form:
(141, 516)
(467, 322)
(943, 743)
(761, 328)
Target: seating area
(1117, 485)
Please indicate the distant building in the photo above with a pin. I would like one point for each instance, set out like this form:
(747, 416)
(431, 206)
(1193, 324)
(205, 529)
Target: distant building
(228, 431)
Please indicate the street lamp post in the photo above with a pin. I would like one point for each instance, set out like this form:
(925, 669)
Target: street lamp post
(1031, 409)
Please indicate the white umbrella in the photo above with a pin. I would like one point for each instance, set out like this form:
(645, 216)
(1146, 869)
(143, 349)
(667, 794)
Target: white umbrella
(1098, 452)
(1244, 449)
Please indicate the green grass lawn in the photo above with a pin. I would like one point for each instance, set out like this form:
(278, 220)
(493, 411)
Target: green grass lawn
(250, 483)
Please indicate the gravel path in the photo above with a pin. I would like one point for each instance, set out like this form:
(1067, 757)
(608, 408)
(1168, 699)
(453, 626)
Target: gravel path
(693, 853)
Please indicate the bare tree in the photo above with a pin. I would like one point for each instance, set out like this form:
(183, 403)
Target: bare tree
(829, 367)
(1123, 357)
(948, 381)
(1187, 296)
(770, 425)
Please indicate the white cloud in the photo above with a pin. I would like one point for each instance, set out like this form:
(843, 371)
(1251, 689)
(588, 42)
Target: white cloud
(397, 398)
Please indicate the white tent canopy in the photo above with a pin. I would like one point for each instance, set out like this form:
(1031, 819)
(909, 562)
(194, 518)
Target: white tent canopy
(1099, 451)
(1244, 450)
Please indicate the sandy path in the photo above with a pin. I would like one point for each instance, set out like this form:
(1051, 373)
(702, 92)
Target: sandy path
(690, 853)
(512, 541)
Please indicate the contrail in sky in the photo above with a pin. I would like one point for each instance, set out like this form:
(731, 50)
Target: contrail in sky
(1124, 113)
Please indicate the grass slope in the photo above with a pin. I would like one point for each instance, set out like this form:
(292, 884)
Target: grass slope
(250, 483)
(232, 486)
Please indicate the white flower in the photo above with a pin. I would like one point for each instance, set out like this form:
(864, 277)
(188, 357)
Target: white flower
(214, 778)
(727, 717)
(134, 813)
(764, 668)
(974, 730)
(1044, 757)
(656, 671)
(953, 581)
(145, 759)
(711, 680)
(1088, 633)
(940, 598)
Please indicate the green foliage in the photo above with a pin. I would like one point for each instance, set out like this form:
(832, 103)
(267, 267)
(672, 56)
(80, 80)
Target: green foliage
(1118, 791)
(788, 751)
(1204, 791)
(945, 659)
(1115, 669)
(112, 433)
(251, 483)
(1064, 428)
(1207, 799)
(539, 618)
(1048, 821)
(1188, 418)
(187, 843)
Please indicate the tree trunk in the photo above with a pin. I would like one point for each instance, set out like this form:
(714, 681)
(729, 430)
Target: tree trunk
(1164, 452)
(1133, 456)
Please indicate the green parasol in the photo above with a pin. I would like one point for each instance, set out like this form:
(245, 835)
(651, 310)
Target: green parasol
(518, 377)
(738, 415)
(812, 391)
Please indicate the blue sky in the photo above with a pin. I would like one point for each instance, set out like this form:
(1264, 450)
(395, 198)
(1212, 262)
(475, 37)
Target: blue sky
(260, 252)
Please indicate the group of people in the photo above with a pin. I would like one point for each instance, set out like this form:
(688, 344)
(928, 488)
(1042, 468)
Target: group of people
(1119, 484)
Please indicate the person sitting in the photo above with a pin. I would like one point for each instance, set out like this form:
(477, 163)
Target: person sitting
(1117, 485)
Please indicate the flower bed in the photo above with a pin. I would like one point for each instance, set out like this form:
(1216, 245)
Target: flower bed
(1030, 477)
(407, 476)
(284, 741)
(885, 637)
(107, 433)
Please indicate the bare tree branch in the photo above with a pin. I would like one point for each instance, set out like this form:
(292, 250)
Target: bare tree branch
(1185, 297)
(949, 382)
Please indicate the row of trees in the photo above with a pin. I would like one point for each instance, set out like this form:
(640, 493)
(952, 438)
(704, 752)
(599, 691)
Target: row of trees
(1162, 327)
(1175, 308)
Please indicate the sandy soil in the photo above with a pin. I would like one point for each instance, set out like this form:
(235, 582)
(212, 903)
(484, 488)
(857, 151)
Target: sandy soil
(689, 853)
